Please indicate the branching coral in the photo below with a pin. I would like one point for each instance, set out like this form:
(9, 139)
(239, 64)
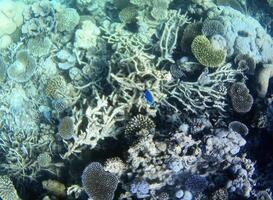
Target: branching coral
(102, 119)
(207, 93)
(169, 35)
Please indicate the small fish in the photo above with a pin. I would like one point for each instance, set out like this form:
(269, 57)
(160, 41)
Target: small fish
(148, 97)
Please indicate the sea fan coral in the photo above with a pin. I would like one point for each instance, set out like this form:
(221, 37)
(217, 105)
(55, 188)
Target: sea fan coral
(206, 54)
(97, 183)
(23, 68)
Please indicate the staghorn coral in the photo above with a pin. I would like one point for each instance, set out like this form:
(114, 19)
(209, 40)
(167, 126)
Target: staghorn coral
(168, 38)
(206, 54)
(97, 183)
(102, 123)
(7, 189)
(23, 68)
(240, 98)
(195, 97)
(66, 128)
(67, 20)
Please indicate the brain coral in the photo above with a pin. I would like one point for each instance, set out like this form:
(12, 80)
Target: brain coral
(240, 98)
(23, 68)
(67, 19)
(97, 183)
(205, 53)
(7, 189)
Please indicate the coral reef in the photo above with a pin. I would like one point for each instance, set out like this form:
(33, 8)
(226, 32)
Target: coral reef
(131, 99)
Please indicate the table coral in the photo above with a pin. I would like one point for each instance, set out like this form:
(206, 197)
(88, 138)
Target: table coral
(23, 68)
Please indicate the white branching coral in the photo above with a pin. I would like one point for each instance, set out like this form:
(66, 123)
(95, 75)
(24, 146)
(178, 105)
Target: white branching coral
(102, 118)
(208, 92)
(169, 34)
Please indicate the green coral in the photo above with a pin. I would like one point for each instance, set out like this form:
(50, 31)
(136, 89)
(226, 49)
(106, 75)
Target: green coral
(205, 53)
(67, 19)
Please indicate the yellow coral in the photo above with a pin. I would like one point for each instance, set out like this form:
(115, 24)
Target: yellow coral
(205, 53)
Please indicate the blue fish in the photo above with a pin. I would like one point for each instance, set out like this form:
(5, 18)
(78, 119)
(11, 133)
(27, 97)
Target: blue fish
(148, 97)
